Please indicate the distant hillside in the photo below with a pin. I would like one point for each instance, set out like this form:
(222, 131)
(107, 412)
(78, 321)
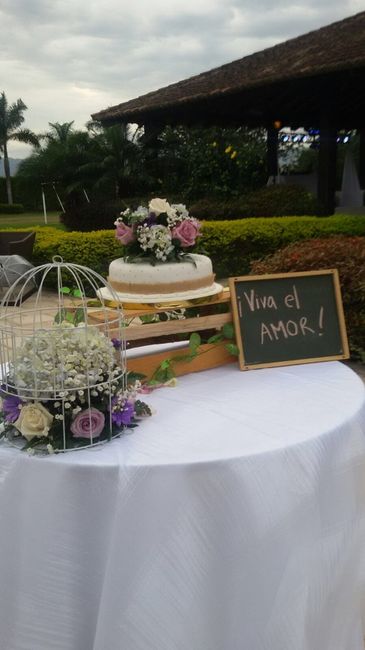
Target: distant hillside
(14, 164)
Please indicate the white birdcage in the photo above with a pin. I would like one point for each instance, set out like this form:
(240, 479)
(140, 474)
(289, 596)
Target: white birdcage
(63, 374)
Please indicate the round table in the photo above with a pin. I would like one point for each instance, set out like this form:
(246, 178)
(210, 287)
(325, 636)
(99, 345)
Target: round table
(233, 519)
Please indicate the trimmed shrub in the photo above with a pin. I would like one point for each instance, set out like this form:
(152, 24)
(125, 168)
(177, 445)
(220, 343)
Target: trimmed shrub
(234, 245)
(11, 208)
(272, 201)
(90, 216)
(347, 254)
(231, 245)
(215, 210)
(282, 201)
(97, 215)
(93, 249)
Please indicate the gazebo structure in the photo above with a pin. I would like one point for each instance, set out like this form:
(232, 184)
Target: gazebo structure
(316, 80)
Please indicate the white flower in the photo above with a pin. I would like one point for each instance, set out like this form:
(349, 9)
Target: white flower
(34, 421)
(157, 239)
(158, 206)
(50, 449)
(67, 357)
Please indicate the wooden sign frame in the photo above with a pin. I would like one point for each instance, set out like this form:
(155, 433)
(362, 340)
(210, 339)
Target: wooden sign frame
(339, 308)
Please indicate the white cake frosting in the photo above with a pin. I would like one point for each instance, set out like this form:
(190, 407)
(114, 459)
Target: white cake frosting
(168, 281)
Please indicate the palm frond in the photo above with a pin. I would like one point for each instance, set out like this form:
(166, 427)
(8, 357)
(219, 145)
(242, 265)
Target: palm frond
(25, 135)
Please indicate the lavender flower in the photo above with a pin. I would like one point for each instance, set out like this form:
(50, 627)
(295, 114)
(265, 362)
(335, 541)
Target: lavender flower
(122, 411)
(11, 407)
(117, 343)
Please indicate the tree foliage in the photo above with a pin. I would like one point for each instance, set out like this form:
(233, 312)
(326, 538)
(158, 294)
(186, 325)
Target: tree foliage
(11, 119)
(212, 162)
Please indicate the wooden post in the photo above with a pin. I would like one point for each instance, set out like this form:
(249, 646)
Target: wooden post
(327, 166)
(272, 151)
(361, 133)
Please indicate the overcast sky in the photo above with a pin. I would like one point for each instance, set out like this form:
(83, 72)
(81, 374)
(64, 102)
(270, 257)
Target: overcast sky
(69, 58)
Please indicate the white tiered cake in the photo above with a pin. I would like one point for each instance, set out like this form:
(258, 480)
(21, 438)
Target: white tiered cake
(159, 265)
(163, 282)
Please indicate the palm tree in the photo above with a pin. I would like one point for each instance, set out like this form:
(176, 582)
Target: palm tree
(59, 132)
(116, 159)
(11, 118)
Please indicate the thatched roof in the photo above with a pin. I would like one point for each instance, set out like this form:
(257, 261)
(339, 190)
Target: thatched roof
(292, 81)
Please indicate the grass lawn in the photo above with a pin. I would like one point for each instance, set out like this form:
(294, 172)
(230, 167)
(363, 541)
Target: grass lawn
(29, 219)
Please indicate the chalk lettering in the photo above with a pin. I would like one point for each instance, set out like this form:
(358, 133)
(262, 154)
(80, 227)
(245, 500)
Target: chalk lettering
(239, 306)
(259, 302)
(304, 327)
(276, 329)
(292, 328)
(284, 329)
(265, 332)
(292, 298)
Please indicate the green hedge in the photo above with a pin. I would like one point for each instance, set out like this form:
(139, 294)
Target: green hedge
(11, 208)
(272, 201)
(231, 245)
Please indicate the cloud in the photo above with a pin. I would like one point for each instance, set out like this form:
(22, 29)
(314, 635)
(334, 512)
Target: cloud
(69, 58)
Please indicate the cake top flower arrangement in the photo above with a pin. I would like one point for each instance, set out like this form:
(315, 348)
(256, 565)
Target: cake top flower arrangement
(159, 233)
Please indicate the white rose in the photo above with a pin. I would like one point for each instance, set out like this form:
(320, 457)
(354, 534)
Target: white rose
(34, 421)
(158, 205)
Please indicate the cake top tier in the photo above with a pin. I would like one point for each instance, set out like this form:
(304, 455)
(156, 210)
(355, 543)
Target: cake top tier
(161, 232)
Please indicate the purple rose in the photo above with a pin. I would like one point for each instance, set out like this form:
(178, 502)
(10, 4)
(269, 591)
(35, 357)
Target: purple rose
(122, 415)
(11, 407)
(88, 423)
(186, 231)
(124, 233)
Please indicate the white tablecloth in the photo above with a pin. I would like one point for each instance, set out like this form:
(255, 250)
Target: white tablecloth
(231, 520)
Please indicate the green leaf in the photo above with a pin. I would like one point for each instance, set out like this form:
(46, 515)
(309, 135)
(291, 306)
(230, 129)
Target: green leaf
(194, 342)
(69, 317)
(232, 349)
(147, 318)
(65, 290)
(79, 316)
(165, 364)
(216, 338)
(60, 316)
(77, 293)
(133, 376)
(228, 331)
(184, 357)
(161, 375)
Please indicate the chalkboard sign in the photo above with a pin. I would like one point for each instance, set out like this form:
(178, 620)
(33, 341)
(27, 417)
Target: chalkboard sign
(289, 318)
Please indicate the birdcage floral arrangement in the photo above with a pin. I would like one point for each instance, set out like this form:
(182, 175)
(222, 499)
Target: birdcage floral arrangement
(64, 384)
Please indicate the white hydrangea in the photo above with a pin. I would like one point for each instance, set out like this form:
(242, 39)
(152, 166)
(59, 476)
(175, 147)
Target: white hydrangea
(156, 239)
(62, 358)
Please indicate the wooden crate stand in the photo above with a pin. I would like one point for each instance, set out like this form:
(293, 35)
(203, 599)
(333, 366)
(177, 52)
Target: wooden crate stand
(208, 318)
